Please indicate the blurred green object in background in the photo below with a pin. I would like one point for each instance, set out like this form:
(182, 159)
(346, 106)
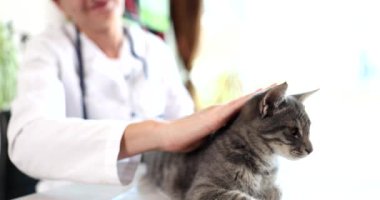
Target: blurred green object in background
(155, 14)
(8, 66)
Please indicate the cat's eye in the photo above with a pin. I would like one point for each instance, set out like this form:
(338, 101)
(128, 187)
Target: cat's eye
(295, 132)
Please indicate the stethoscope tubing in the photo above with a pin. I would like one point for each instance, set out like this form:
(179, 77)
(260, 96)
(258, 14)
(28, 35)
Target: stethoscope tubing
(81, 65)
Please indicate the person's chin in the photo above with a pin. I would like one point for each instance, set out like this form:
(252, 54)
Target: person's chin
(104, 16)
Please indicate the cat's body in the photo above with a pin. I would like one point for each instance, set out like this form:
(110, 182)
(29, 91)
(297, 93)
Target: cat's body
(238, 161)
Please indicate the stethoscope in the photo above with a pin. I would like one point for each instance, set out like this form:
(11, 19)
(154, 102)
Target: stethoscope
(81, 75)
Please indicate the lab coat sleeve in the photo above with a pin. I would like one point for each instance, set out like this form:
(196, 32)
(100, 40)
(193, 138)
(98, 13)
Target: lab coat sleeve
(45, 144)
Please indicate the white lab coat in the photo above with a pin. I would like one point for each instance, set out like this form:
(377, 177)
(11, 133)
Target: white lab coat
(48, 139)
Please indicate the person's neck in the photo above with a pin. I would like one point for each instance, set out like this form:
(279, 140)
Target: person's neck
(109, 39)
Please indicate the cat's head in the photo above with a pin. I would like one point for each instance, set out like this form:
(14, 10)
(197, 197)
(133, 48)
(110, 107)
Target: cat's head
(281, 121)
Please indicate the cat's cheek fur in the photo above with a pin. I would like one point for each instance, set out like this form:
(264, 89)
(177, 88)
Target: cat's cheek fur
(297, 154)
(285, 151)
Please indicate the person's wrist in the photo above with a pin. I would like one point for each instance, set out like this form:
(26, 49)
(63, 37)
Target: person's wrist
(156, 135)
(141, 137)
(170, 139)
(160, 135)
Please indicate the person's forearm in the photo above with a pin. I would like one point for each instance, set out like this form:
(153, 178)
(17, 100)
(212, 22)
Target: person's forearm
(141, 137)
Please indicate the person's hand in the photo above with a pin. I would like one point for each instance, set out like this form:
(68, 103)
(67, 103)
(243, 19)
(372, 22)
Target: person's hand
(180, 135)
(187, 133)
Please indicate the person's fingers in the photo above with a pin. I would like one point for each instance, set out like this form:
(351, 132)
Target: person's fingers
(234, 105)
(223, 112)
(204, 123)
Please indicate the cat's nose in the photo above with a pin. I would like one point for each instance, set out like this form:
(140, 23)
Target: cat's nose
(309, 149)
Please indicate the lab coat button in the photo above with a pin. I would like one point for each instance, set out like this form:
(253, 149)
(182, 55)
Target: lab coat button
(133, 114)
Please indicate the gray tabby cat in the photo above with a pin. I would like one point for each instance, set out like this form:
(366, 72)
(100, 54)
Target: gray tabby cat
(238, 162)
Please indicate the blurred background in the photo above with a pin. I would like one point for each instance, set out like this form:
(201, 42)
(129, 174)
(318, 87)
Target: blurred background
(237, 46)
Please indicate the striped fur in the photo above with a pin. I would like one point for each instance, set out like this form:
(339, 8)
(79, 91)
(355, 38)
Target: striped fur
(239, 161)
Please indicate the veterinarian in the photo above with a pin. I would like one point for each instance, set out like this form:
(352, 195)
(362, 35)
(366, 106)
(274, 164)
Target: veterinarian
(93, 94)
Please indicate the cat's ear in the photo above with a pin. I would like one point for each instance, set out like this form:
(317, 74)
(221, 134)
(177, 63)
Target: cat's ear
(301, 97)
(272, 99)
